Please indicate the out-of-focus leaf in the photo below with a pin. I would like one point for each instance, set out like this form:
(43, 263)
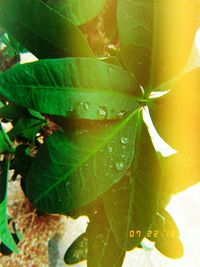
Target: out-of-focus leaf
(156, 37)
(78, 11)
(131, 205)
(72, 87)
(176, 116)
(74, 167)
(42, 30)
(165, 234)
(179, 172)
(77, 251)
(103, 250)
(5, 235)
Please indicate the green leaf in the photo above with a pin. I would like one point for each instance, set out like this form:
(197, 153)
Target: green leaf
(131, 205)
(22, 160)
(166, 235)
(103, 250)
(77, 251)
(78, 11)
(72, 169)
(176, 115)
(5, 235)
(156, 37)
(12, 112)
(26, 128)
(4, 147)
(42, 30)
(5, 143)
(72, 87)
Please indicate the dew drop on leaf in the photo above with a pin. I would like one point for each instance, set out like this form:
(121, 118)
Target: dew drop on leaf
(119, 166)
(110, 70)
(124, 140)
(102, 113)
(110, 149)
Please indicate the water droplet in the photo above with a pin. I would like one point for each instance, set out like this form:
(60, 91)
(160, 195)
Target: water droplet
(107, 174)
(110, 149)
(122, 156)
(121, 114)
(102, 113)
(110, 70)
(86, 164)
(86, 106)
(110, 166)
(119, 166)
(67, 184)
(124, 140)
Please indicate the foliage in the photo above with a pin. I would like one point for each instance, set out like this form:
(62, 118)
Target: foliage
(78, 137)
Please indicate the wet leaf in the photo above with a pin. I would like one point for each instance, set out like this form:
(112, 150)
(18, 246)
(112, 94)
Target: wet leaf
(79, 93)
(74, 167)
(131, 205)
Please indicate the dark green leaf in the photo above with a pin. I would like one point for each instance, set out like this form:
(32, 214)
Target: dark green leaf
(5, 143)
(131, 205)
(72, 87)
(42, 30)
(5, 235)
(22, 160)
(77, 251)
(26, 128)
(156, 37)
(71, 169)
(12, 112)
(4, 147)
(103, 250)
(78, 11)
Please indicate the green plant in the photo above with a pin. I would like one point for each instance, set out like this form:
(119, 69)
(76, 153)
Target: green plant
(82, 116)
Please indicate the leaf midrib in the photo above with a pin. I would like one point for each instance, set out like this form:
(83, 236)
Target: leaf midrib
(103, 143)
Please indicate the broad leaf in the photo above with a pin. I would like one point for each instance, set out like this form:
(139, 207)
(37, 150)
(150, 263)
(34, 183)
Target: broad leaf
(156, 37)
(5, 235)
(176, 115)
(179, 172)
(78, 11)
(77, 251)
(12, 112)
(103, 250)
(72, 87)
(131, 205)
(74, 167)
(166, 235)
(42, 30)
(22, 160)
